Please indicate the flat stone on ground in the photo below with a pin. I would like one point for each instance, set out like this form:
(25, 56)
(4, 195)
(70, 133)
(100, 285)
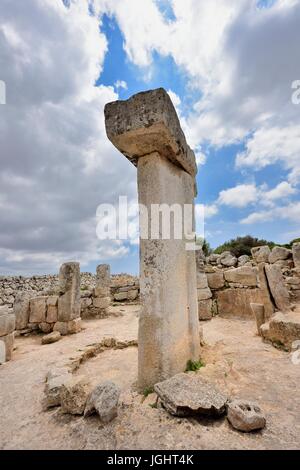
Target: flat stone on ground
(190, 394)
(51, 338)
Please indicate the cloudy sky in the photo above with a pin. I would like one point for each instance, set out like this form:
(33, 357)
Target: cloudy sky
(228, 65)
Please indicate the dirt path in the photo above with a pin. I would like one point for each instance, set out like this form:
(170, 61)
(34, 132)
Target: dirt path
(236, 360)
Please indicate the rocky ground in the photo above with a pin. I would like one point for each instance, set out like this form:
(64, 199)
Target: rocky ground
(237, 361)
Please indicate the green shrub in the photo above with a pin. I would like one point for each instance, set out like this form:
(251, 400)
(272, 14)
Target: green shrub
(193, 366)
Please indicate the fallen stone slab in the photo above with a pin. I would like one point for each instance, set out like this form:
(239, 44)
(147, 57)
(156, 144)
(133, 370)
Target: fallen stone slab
(51, 338)
(104, 401)
(190, 394)
(245, 416)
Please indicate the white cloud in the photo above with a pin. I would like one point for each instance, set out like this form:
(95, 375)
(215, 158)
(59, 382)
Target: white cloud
(239, 196)
(290, 212)
(57, 164)
(121, 84)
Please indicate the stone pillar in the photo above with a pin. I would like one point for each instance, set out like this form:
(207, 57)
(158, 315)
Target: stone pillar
(102, 299)
(147, 131)
(69, 299)
(259, 315)
(265, 291)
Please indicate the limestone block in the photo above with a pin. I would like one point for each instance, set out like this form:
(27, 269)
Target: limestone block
(103, 275)
(191, 394)
(52, 309)
(202, 281)
(68, 328)
(205, 309)
(104, 401)
(213, 259)
(296, 254)
(277, 287)
(69, 286)
(236, 302)
(245, 276)
(283, 329)
(7, 324)
(51, 338)
(259, 315)
(148, 123)
(245, 416)
(132, 294)
(86, 303)
(216, 280)
(101, 303)
(46, 327)
(261, 254)
(73, 395)
(38, 310)
(53, 388)
(119, 296)
(22, 309)
(227, 259)
(242, 260)
(6, 347)
(102, 291)
(204, 294)
(279, 253)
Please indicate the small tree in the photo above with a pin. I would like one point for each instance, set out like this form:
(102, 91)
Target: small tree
(242, 245)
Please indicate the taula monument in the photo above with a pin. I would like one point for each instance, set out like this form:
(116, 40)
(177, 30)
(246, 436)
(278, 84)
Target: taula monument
(146, 129)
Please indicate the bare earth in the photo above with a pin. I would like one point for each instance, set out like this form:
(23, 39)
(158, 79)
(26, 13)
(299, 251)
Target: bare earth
(237, 361)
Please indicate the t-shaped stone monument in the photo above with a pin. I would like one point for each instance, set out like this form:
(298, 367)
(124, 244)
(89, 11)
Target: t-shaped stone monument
(147, 131)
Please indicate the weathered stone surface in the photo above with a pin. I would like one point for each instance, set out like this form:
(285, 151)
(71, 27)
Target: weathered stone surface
(245, 276)
(283, 329)
(236, 302)
(104, 401)
(132, 294)
(7, 324)
(245, 416)
(213, 259)
(259, 315)
(242, 260)
(6, 347)
(205, 309)
(202, 281)
(52, 309)
(279, 253)
(102, 291)
(101, 302)
(103, 275)
(37, 310)
(204, 294)
(296, 254)
(51, 338)
(22, 309)
(68, 328)
(265, 291)
(73, 395)
(45, 327)
(216, 280)
(69, 286)
(55, 381)
(148, 123)
(227, 259)
(146, 130)
(277, 287)
(190, 394)
(120, 296)
(261, 254)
